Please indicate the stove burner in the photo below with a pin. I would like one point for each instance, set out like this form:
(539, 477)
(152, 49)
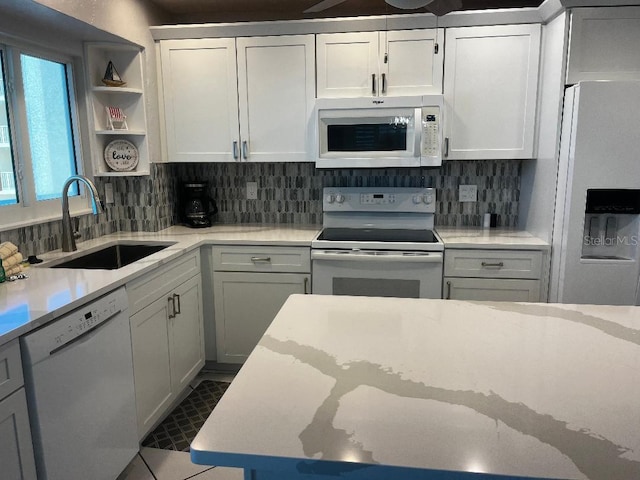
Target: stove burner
(377, 235)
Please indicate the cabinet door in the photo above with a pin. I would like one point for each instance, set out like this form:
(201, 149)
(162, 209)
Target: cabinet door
(604, 44)
(187, 336)
(276, 94)
(16, 450)
(347, 63)
(151, 363)
(245, 304)
(490, 91)
(412, 66)
(200, 99)
(491, 289)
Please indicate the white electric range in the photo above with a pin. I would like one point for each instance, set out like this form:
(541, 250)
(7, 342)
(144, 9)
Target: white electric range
(378, 242)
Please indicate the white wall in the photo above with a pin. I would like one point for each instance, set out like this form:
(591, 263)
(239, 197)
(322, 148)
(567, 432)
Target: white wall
(538, 181)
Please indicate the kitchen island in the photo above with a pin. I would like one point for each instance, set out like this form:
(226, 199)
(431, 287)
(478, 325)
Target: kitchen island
(382, 388)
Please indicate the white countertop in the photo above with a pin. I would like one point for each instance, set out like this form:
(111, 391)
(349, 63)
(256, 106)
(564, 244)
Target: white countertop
(49, 293)
(491, 238)
(379, 387)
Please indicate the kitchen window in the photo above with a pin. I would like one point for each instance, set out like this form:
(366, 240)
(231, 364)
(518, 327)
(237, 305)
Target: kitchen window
(39, 140)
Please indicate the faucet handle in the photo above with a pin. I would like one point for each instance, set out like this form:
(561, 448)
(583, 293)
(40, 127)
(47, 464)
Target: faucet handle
(76, 227)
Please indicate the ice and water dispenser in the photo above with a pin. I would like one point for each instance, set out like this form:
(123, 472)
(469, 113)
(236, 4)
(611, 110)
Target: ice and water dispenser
(611, 224)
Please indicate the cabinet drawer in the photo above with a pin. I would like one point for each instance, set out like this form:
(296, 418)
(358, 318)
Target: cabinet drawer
(493, 263)
(261, 259)
(10, 368)
(144, 290)
(491, 289)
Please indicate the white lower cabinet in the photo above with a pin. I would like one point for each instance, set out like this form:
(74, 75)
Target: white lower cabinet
(16, 448)
(250, 285)
(167, 336)
(494, 275)
(492, 289)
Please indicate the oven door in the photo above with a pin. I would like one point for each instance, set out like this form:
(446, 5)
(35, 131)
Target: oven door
(377, 273)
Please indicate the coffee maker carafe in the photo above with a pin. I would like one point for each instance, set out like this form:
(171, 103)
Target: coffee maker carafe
(197, 207)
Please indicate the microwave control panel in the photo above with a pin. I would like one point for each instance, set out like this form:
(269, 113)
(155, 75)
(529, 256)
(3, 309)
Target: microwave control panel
(430, 146)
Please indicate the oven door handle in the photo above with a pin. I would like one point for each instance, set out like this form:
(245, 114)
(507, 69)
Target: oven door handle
(431, 257)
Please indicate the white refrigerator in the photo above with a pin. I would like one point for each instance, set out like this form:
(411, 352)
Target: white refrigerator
(595, 252)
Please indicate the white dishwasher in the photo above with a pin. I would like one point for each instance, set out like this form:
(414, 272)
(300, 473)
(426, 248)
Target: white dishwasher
(79, 382)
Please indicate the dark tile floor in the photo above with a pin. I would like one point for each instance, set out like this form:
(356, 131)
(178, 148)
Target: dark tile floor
(157, 464)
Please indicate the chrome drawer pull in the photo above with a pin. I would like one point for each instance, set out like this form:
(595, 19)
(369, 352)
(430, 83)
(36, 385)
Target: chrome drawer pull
(260, 259)
(177, 297)
(306, 285)
(448, 297)
(492, 265)
(172, 307)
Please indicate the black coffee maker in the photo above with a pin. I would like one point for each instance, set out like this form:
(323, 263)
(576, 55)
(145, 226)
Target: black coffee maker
(197, 207)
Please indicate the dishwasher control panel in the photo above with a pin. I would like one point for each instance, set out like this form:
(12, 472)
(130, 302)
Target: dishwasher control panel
(60, 332)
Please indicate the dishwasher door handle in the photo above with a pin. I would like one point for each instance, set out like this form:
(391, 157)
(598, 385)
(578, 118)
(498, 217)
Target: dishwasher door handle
(384, 258)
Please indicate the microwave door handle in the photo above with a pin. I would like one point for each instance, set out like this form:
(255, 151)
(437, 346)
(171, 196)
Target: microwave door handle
(373, 84)
(384, 83)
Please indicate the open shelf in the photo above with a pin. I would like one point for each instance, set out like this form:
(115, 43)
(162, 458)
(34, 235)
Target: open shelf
(128, 61)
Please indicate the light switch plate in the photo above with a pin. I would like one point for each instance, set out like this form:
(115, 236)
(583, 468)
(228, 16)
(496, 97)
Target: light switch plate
(468, 193)
(252, 190)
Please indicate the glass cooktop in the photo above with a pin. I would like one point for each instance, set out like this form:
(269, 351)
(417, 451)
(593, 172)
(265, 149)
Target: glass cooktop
(377, 235)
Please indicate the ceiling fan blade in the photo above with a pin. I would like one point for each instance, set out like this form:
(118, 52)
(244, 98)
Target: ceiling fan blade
(442, 7)
(323, 5)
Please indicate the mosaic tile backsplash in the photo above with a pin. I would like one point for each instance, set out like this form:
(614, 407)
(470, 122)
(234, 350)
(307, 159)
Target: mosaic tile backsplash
(287, 193)
(140, 204)
(292, 192)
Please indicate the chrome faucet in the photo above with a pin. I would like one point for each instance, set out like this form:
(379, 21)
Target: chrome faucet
(68, 238)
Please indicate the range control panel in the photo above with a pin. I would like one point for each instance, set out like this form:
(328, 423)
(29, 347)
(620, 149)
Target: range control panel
(373, 199)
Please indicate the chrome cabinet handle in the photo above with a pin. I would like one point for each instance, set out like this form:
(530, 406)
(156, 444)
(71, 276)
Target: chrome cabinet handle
(446, 147)
(306, 284)
(260, 259)
(172, 307)
(384, 83)
(448, 297)
(177, 297)
(373, 84)
(235, 150)
(492, 265)
(245, 150)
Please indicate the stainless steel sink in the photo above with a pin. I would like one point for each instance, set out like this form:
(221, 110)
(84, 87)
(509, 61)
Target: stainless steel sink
(111, 257)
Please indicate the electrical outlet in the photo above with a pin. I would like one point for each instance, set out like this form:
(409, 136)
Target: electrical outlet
(252, 190)
(468, 193)
(108, 193)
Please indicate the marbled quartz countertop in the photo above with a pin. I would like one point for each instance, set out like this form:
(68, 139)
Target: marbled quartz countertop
(379, 388)
(51, 292)
(490, 238)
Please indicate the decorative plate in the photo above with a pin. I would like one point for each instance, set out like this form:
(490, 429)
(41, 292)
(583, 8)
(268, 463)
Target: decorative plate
(121, 155)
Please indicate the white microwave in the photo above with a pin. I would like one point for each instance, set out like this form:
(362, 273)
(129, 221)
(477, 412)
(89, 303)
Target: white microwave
(379, 132)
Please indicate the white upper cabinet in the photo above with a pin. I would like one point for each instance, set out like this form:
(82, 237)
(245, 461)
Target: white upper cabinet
(229, 100)
(200, 99)
(490, 91)
(276, 86)
(366, 64)
(604, 44)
